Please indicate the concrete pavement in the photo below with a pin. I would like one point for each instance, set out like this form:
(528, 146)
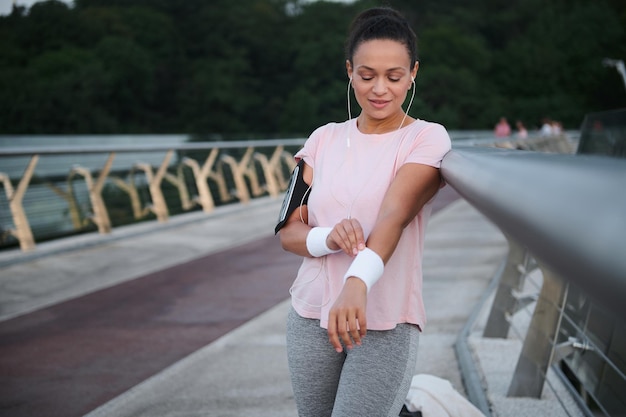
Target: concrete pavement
(244, 372)
(62, 269)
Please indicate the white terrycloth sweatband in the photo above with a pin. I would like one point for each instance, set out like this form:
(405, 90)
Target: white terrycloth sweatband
(367, 266)
(316, 242)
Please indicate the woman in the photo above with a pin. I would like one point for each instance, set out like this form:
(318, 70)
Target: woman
(522, 132)
(502, 129)
(356, 211)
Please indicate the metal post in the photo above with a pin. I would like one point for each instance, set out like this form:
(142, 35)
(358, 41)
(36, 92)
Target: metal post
(22, 230)
(68, 195)
(218, 177)
(100, 213)
(178, 181)
(200, 175)
(534, 360)
(130, 189)
(269, 170)
(238, 170)
(504, 303)
(159, 207)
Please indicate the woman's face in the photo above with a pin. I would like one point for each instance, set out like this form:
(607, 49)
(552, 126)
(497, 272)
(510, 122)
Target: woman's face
(381, 77)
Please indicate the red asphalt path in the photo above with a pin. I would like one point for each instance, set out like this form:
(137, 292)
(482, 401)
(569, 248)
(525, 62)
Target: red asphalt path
(68, 359)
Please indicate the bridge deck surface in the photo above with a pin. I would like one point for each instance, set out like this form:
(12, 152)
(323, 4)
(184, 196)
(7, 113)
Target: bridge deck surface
(187, 318)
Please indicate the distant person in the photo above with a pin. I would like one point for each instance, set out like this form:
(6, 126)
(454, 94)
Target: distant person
(522, 133)
(546, 127)
(502, 129)
(557, 128)
(357, 213)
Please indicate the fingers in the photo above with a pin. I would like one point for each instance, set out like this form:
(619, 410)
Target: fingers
(347, 326)
(348, 235)
(333, 337)
(344, 329)
(353, 331)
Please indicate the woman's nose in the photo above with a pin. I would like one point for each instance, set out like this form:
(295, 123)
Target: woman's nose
(379, 86)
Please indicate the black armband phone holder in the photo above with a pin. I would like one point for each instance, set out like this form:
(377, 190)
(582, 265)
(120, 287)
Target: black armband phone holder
(297, 195)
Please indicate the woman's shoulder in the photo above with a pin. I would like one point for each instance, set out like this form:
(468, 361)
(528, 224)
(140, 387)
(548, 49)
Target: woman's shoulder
(322, 136)
(428, 136)
(426, 143)
(426, 131)
(427, 126)
(329, 128)
(327, 132)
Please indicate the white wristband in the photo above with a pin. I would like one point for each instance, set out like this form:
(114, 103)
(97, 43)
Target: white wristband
(367, 266)
(316, 242)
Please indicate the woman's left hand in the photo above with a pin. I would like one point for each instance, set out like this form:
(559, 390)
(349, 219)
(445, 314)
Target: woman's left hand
(346, 321)
(347, 235)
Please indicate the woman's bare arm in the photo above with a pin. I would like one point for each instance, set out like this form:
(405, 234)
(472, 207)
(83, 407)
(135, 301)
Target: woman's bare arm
(414, 186)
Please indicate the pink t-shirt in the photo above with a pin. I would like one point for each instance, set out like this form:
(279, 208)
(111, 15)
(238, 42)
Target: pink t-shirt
(351, 181)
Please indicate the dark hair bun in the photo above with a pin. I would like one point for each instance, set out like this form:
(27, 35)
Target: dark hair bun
(381, 23)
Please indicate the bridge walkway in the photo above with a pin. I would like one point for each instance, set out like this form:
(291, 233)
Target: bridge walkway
(187, 317)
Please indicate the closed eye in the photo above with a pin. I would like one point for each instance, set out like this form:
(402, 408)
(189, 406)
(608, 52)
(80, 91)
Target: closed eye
(392, 79)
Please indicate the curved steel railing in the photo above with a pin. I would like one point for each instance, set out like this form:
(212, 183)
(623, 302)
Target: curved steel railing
(70, 188)
(568, 212)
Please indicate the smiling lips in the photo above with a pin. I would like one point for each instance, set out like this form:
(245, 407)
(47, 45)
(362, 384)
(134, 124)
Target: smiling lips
(379, 104)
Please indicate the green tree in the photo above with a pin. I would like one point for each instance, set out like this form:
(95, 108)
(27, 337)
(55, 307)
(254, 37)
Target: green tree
(453, 78)
(56, 93)
(269, 67)
(129, 81)
(555, 66)
(317, 70)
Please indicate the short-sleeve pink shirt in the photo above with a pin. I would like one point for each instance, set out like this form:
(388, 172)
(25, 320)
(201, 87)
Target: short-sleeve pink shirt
(351, 181)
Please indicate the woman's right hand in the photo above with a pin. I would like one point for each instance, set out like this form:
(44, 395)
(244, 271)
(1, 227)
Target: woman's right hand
(347, 322)
(347, 235)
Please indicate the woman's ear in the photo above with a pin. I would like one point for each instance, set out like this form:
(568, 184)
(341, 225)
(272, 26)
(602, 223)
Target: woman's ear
(415, 69)
(349, 69)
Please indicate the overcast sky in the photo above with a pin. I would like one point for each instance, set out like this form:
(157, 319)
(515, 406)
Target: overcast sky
(7, 5)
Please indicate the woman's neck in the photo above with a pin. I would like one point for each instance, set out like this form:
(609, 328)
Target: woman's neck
(368, 125)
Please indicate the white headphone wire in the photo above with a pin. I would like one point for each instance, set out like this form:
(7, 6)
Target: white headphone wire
(323, 260)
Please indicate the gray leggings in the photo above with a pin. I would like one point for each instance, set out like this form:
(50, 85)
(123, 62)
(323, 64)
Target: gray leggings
(370, 380)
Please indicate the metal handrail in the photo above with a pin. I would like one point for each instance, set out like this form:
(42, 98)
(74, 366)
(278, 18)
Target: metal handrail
(562, 214)
(190, 146)
(568, 210)
(251, 175)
